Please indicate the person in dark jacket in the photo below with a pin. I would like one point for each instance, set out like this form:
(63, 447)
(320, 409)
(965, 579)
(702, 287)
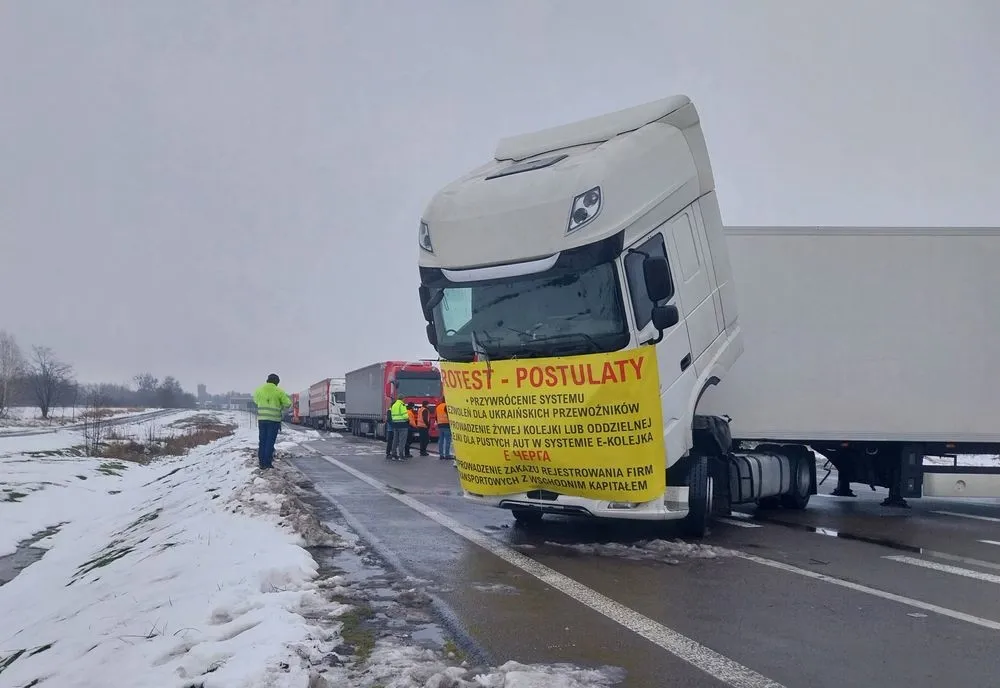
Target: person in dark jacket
(388, 433)
(423, 427)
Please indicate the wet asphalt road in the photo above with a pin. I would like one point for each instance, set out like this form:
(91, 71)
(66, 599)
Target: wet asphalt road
(846, 593)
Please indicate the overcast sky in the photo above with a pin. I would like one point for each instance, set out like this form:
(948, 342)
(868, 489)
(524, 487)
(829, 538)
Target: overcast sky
(218, 190)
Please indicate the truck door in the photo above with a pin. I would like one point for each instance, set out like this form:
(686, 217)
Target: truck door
(673, 353)
(693, 282)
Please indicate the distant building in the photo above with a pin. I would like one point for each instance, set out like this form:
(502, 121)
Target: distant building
(202, 393)
(238, 401)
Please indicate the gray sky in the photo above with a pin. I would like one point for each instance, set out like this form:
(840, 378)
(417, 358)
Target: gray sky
(216, 190)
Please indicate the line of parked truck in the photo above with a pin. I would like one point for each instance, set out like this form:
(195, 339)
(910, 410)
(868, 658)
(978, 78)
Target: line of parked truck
(358, 402)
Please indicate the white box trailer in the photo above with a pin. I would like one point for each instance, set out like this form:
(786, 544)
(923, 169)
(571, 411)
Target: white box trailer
(861, 340)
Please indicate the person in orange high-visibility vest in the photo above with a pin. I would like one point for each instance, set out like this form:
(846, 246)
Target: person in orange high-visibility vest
(423, 427)
(411, 416)
(444, 431)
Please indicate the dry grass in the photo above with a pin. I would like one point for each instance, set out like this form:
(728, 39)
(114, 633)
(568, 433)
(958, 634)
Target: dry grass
(198, 431)
(102, 413)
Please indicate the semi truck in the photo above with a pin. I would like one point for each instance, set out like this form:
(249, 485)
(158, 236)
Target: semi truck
(372, 389)
(291, 414)
(326, 404)
(871, 346)
(300, 404)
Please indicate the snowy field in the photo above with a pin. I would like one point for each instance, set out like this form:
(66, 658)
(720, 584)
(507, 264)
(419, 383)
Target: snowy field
(196, 570)
(23, 418)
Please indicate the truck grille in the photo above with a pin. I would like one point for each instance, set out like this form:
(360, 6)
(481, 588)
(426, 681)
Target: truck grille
(543, 494)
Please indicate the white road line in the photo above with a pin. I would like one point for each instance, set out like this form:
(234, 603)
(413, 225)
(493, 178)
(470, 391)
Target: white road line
(857, 587)
(964, 560)
(989, 542)
(738, 523)
(711, 662)
(946, 568)
(991, 519)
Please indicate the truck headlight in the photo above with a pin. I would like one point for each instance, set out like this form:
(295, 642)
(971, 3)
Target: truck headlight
(585, 208)
(424, 238)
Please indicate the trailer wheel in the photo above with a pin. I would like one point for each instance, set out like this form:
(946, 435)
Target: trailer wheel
(526, 517)
(798, 498)
(700, 489)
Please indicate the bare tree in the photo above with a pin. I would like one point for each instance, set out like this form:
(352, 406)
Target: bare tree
(49, 378)
(11, 369)
(95, 424)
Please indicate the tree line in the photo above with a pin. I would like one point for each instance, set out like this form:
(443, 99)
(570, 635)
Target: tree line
(40, 378)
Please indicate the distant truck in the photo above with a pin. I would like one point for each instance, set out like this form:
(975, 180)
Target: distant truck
(300, 406)
(326, 405)
(371, 390)
(874, 346)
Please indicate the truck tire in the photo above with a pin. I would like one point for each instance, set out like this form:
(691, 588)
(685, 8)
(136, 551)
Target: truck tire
(700, 489)
(526, 517)
(798, 498)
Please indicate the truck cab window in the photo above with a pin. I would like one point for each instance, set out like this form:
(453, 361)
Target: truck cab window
(642, 307)
(456, 308)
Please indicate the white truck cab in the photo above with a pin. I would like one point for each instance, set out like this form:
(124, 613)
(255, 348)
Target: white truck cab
(338, 404)
(599, 236)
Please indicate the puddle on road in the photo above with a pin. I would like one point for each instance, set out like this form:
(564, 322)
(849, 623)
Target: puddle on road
(24, 556)
(839, 534)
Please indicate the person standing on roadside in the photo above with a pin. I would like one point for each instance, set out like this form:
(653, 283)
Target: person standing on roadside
(271, 401)
(411, 431)
(444, 431)
(423, 427)
(389, 437)
(400, 427)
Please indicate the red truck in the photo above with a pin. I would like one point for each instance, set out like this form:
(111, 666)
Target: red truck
(295, 419)
(371, 390)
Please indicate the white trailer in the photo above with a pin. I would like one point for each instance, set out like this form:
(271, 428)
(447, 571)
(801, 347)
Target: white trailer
(873, 345)
(303, 406)
(607, 233)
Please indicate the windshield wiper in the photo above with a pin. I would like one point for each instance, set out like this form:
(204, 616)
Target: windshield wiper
(561, 337)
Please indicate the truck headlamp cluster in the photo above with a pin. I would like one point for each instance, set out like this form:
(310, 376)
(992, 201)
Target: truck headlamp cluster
(424, 238)
(585, 208)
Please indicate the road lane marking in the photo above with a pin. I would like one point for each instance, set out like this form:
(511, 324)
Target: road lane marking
(965, 560)
(989, 542)
(738, 523)
(675, 643)
(946, 568)
(707, 660)
(991, 519)
(875, 592)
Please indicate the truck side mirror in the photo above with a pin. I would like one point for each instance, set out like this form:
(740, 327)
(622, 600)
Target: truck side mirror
(425, 297)
(432, 335)
(664, 317)
(656, 274)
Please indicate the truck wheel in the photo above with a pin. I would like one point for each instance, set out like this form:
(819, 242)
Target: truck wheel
(526, 517)
(700, 489)
(798, 498)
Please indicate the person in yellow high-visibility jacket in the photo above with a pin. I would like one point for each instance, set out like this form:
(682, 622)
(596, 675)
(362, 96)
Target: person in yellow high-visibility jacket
(271, 401)
(400, 428)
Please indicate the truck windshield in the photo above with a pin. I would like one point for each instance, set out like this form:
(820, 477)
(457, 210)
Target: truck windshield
(410, 385)
(548, 314)
(339, 397)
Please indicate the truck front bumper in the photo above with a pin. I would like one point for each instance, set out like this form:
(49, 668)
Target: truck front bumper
(672, 506)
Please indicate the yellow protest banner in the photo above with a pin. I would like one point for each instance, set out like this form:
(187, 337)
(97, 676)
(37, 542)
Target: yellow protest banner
(589, 426)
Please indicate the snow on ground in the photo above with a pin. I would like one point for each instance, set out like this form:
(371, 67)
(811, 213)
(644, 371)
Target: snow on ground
(979, 460)
(198, 571)
(45, 478)
(24, 418)
(666, 551)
